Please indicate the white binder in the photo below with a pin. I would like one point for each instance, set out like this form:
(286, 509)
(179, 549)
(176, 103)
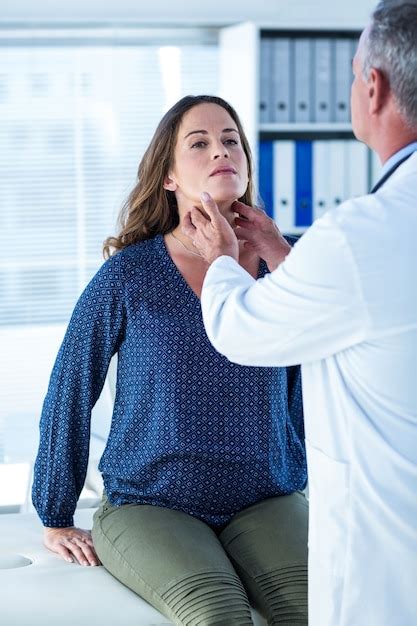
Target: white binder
(302, 75)
(322, 77)
(337, 187)
(357, 166)
(321, 173)
(265, 100)
(284, 185)
(343, 76)
(281, 64)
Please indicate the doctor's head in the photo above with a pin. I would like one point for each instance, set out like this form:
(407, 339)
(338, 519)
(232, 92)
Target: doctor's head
(384, 90)
(199, 145)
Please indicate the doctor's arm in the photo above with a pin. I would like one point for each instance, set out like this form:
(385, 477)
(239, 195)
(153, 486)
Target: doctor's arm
(309, 308)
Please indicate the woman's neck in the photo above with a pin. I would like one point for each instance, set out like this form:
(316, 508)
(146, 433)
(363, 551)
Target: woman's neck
(225, 208)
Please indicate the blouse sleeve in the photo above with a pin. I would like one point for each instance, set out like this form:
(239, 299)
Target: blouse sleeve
(94, 334)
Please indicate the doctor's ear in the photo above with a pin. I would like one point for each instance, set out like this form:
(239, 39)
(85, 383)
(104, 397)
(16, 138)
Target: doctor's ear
(378, 90)
(169, 184)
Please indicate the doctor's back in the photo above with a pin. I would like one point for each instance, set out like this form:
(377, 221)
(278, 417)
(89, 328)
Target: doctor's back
(343, 303)
(361, 421)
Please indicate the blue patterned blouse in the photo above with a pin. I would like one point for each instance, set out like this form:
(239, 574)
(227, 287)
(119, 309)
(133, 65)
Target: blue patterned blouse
(190, 430)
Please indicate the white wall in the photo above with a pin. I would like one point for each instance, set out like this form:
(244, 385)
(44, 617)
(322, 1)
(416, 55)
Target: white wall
(352, 14)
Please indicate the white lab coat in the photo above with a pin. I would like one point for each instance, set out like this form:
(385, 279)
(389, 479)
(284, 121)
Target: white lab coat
(344, 304)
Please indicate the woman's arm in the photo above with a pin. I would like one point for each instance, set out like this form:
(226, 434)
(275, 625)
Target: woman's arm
(94, 334)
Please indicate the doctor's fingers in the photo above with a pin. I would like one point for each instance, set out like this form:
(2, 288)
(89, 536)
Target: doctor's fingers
(249, 213)
(211, 208)
(250, 227)
(188, 227)
(245, 234)
(200, 222)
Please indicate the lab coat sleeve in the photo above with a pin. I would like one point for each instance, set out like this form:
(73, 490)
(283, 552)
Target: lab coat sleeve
(310, 307)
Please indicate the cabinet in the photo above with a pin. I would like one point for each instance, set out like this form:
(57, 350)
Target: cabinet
(291, 88)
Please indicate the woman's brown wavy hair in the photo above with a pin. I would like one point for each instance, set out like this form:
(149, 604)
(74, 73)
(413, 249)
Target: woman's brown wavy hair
(150, 209)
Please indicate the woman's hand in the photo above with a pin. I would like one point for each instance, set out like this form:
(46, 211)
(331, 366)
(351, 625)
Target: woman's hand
(211, 233)
(260, 234)
(71, 544)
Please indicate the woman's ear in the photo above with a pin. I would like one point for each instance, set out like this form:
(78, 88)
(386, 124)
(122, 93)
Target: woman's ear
(170, 184)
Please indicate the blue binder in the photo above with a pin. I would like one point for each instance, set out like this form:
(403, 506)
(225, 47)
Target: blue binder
(303, 183)
(266, 177)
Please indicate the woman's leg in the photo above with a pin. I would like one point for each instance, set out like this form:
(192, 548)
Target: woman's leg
(267, 544)
(173, 561)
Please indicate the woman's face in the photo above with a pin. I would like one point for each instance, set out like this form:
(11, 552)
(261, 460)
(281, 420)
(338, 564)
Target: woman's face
(208, 156)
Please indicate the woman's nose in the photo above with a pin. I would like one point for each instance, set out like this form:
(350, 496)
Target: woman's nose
(220, 150)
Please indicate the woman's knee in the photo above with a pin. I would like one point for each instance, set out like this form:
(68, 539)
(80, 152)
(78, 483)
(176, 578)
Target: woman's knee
(267, 544)
(213, 599)
(282, 595)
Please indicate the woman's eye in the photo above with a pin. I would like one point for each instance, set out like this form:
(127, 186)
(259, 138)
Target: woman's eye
(198, 144)
(231, 142)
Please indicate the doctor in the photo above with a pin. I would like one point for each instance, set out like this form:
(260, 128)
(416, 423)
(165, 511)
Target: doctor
(344, 304)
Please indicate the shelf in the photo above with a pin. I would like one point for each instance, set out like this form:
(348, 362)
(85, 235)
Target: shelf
(309, 127)
(300, 168)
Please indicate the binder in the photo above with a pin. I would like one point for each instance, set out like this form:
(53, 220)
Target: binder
(265, 102)
(357, 166)
(303, 183)
(284, 185)
(337, 173)
(343, 79)
(321, 172)
(266, 182)
(302, 80)
(280, 82)
(322, 78)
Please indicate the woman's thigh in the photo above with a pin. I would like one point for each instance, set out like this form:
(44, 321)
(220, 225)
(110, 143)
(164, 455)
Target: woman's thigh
(173, 561)
(267, 543)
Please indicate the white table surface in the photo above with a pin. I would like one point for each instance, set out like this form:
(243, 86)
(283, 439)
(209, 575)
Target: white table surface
(51, 592)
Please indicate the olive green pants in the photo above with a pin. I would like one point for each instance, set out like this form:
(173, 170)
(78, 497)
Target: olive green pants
(195, 576)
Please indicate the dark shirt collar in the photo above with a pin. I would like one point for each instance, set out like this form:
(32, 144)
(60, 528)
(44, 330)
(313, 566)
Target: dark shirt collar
(394, 162)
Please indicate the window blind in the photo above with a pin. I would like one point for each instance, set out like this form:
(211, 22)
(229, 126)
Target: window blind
(74, 122)
(77, 110)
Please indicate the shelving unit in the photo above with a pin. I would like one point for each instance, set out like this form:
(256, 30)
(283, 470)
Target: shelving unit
(322, 162)
(305, 127)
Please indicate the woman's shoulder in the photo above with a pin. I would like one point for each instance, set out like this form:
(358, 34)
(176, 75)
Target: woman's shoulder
(143, 254)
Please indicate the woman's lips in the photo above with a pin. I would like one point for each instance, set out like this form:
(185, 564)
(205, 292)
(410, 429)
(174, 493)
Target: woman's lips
(223, 170)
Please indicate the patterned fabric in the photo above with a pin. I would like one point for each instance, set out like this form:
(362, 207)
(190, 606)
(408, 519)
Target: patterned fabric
(190, 430)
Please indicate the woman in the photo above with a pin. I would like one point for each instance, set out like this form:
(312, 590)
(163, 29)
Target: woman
(204, 458)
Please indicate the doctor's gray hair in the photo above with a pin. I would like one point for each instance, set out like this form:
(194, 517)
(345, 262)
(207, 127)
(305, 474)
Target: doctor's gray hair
(390, 45)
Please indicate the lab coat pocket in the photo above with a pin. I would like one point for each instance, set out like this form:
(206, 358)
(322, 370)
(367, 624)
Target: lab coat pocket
(329, 510)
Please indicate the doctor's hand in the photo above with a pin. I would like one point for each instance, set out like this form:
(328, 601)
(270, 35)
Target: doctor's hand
(211, 234)
(261, 234)
(72, 544)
